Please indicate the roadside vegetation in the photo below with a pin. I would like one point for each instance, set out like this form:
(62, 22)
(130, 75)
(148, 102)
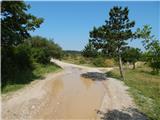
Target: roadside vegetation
(24, 58)
(111, 41)
(144, 86)
(80, 59)
(25, 77)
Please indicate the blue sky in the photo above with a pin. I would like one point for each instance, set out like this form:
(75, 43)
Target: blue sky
(69, 23)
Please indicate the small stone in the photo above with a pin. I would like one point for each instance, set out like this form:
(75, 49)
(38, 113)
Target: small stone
(33, 106)
(114, 97)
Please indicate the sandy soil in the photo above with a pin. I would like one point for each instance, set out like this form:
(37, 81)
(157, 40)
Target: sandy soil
(67, 95)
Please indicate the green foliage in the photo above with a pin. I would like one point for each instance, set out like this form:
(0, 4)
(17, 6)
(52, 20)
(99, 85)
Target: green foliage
(16, 22)
(22, 57)
(131, 55)
(109, 63)
(40, 55)
(112, 37)
(24, 77)
(41, 69)
(10, 88)
(16, 63)
(8, 66)
(43, 49)
(82, 61)
(153, 56)
(145, 34)
(103, 62)
(99, 62)
(20, 51)
(152, 47)
(89, 51)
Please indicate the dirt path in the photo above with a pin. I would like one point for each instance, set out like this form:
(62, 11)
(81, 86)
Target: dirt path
(67, 95)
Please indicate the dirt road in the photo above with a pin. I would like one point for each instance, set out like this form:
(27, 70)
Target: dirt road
(67, 95)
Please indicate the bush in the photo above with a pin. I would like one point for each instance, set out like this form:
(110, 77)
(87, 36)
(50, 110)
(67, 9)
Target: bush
(7, 64)
(40, 56)
(47, 47)
(89, 51)
(15, 61)
(109, 63)
(99, 62)
(82, 60)
(23, 57)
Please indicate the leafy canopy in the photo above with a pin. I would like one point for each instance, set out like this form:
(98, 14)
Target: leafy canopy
(152, 46)
(131, 55)
(89, 51)
(113, 34)
(16, 22)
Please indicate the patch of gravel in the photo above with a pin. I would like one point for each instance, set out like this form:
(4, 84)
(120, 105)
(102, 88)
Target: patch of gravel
(22, 104)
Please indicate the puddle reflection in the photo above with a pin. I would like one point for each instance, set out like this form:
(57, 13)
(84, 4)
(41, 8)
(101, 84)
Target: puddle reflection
(87, 82)
(58, 86)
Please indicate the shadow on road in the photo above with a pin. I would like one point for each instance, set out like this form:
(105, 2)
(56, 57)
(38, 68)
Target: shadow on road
(125, 114)
(95, 76)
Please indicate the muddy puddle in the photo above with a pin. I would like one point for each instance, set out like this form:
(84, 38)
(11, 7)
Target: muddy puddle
(71, 96)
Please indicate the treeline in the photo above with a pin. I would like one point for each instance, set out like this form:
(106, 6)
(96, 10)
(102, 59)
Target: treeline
(20, 53)
(101, 59)
(72, 52)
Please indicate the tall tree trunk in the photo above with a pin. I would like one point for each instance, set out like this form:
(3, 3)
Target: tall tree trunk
(120, 66)
(134, 65)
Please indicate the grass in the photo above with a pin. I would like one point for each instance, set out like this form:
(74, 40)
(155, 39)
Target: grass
(89, 62)
(145, 89)
(79, 60)
(25, 77)
(10, 88)
(41, 70)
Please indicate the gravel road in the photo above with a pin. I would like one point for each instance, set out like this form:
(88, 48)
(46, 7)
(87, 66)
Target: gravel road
(77, 92)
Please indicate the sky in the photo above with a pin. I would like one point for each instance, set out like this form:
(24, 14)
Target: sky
(69, 23)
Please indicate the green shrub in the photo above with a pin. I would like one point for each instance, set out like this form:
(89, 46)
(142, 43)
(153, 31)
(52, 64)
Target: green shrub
(109, 63)
(22, 57)
(40, 56)
(99, 62)
(15, 61)
(82, 60)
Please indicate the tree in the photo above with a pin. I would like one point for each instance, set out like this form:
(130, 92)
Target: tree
(16, 22)
(114, 34)
(15, 26)
(145, 34)
(43, 49)
(89, 51)
(153, 56)
(131, 55)
(152, 46)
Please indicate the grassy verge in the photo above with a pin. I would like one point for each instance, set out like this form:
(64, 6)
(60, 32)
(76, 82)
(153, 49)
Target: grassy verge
(145, 89)
(41, 70)
(25, 77)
